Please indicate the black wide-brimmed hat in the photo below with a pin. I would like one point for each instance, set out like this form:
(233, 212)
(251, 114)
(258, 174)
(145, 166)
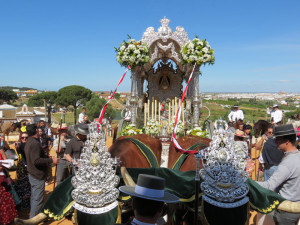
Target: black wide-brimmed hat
(284, 130)
(82, 128)
(150, 187)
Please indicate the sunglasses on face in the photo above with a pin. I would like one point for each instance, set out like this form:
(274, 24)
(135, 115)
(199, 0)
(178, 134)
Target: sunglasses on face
(24, 137)
(270, 132)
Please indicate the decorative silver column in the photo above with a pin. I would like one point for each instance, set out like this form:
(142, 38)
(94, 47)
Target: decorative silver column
(196, 97)
(140, 88)
(133, 98)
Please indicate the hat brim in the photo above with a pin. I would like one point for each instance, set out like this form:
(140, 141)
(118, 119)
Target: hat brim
(80, 131)
(168, 198)
(285, 134)
(239, 135)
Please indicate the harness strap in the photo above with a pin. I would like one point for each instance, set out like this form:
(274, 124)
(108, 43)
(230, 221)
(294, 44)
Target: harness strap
(146, 151)
(177, 165)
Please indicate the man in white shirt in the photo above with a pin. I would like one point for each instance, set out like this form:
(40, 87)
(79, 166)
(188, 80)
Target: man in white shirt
(276, 116)
(81, 115)
(236, 114)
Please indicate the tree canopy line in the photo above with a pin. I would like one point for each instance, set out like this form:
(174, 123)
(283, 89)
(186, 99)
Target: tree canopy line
(74, 95)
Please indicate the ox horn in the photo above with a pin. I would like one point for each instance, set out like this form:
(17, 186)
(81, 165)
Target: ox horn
(289, 206)
(33, 221)
(126, 177)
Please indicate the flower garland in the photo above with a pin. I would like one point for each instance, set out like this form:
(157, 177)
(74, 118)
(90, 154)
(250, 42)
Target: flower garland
(198, 51)
(197, 131)
(132, 52)
(152, 128)
(180, 127)
(130, 130)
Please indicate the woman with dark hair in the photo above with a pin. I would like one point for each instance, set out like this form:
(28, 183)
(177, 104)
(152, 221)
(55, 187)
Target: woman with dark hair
(22, 184)
(248, 136)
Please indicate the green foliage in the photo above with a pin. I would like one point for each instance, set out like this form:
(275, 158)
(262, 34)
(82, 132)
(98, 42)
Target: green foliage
(94, 106)
(117, 95)
(38, 100)
(7, 96)
(291, 114)
(20, 88)
(73, 95)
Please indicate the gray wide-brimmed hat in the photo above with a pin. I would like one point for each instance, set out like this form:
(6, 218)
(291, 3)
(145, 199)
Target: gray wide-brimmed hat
(150, 187)
(284, 130)
(82, 128)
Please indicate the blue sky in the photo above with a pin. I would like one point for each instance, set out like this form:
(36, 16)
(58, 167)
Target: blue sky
(49, 44)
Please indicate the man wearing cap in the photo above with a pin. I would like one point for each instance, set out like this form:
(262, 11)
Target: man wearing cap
(62, 167)
(276, 116)
(149, 197)
(236, 114)
(286, 179)
(74, 147)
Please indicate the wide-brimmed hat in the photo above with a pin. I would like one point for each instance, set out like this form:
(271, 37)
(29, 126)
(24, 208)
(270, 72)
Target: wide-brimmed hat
(284, 130)
(275, 105)
(239, 133)
(64, 126)
(150, 187)
(82, 128)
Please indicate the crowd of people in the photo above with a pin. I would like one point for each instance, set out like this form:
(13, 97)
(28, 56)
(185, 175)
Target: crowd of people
(279, 158)
(34, 166)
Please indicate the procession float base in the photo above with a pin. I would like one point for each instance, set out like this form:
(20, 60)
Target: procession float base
(182, 184)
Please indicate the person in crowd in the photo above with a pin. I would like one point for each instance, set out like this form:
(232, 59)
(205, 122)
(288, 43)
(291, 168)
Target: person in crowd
(231, 127)
(248, 136)
(236, 114)
(62, 167)
(261, 141)
(81, 115)
(270, 157)
(286, 179)
(75, 145)
(7, 205)
(86, 119)
(3, 143)
(37, 167)
(276, 116)
(148, 200)
(22, 184)
(240, 143)
(46, 143)
(45, 128)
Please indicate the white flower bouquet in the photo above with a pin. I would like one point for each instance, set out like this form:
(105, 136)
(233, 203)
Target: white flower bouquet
(197, 131)
(130, 130)
(152, 128)
(198, 51)
(180, 127)
(132, 52)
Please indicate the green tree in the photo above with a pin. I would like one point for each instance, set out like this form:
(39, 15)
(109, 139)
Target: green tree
(48, 97)
(73, 95)
(8, 96)
(94, 106)
(39, 99)
(117, 95)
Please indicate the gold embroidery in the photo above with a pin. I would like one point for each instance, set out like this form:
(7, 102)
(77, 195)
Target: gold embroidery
(59, 217)
(268, 209)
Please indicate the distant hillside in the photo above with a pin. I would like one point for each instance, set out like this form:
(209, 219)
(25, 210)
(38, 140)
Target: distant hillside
(21, 88)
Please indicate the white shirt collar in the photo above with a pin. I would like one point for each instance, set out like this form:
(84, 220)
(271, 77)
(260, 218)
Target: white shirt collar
(137, 222)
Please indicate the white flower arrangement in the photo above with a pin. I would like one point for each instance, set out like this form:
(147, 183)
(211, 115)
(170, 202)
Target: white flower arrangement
(198, 51)
(197, 131)
(180, 127)
(133, 52)
(130, 130)
(152, 128)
